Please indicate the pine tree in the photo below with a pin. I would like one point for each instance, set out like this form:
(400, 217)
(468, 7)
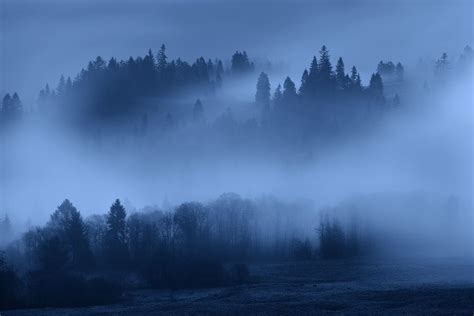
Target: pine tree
(340, 74)
(6, 106)
(325, 73)
(304, 83)
(210, 68)
(61, 86)
(277, 96)
(68, 84)
(262, 97)
(161, 58)
(67, 223)
(313, 75)
(116, 236)
(376, 86)
(356, 83)
(289, 91)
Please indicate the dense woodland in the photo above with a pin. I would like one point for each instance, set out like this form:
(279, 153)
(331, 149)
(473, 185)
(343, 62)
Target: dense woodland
(329, 102)
(192, 245)
(75, 261)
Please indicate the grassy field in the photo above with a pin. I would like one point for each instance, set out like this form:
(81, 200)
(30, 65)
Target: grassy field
(392, 287)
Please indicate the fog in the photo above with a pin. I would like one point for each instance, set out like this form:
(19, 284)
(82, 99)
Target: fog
(315, 147)
(415, 166)
(425, 149)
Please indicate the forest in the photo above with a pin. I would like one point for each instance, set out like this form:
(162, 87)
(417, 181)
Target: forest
(76, 260)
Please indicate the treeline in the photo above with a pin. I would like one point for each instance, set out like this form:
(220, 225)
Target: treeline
(330, 101)
(116, 88)
(192, 245)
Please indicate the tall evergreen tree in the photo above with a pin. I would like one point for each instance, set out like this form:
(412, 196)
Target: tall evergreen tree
(356, 83)
(340, 74)
(6, 105)
(289, 91)
(67, 223)
(325, 73)
(61, 89)
(313, 75)
(277, 96)
(116, 235)
(12, 107)
(262, 97)
(161, 58)
(210, 68)
(376, 86)
(304, 83)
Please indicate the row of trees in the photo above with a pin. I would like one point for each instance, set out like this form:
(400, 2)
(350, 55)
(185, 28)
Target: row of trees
(113, 88)
(319, 84)
(328, 102)
(391, 72)
(11, 108)
(184, 247)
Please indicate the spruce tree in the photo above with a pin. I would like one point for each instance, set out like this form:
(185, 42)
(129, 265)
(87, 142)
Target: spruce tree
(340, 74)
(289, 91)
(66, 222)
(161, 58)
(116, 236)
(325, 73)
(304, 83)
(262, 97)
(376, 86)
(277, 96)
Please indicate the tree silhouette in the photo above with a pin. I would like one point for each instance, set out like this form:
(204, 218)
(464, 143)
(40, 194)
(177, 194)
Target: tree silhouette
(262, 97)
(161, 59)
(277, 96)
(289, 91)
(12, 107)
(116, 236)
(325, 73)
(376, 86)
(304, 83)
(340, 74)
(356, 84)
(66, 222)
(240, 63)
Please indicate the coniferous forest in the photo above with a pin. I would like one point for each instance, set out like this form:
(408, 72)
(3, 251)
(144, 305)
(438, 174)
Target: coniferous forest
(239, 184)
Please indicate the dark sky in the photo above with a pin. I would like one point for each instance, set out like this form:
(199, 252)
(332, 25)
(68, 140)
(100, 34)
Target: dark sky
(40, 40)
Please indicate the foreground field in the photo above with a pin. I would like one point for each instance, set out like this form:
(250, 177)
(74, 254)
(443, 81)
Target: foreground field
(333, 287)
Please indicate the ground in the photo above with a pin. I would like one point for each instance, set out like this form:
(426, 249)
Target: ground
(390, 287)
